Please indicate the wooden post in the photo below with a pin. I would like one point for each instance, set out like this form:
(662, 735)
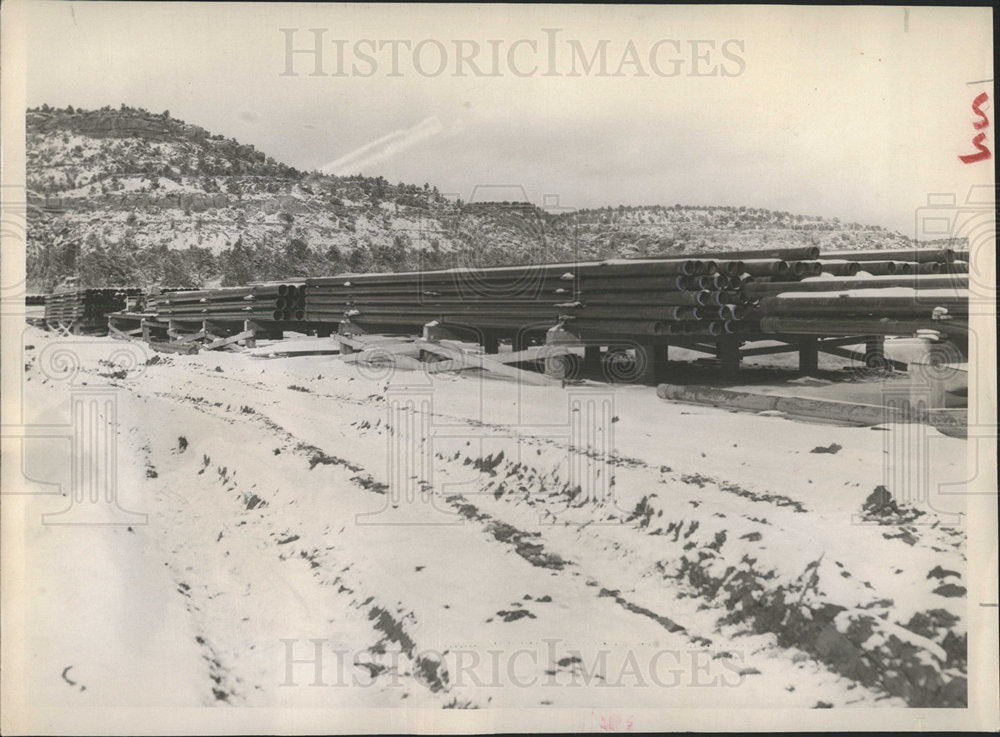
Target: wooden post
(808, 355)
(562, 366)
(491, 343)
(875, 353)
(348, 329)
(727, 350)
(661, 353)
(646, 363)
(592, 354)
(251, 340)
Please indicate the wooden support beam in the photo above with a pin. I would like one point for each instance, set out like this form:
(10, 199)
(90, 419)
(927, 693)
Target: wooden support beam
(435, 331)
(808, 355)
(346, 331)
(875, 351)
(185, 348)
(351, 343)
(646, 355)
(791, 344)
(859, 356)
(250, 333)
(212, 330)
(662, 355)
(767, 350)
(365, 353)
(849, 340)
(229, 340)
(701, 347)
(119, 334)
(190, 337)
(401, 355)
(927, 388)
(464, 359)
(727, 349)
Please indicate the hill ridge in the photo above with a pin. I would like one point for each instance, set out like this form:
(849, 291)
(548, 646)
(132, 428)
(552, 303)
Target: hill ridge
(129, 196)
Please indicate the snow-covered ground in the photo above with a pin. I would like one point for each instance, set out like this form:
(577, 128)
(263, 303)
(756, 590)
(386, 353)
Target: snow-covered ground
(320, 534)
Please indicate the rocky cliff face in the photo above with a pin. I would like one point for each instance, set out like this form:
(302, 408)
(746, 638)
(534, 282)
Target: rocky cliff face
(127, 196)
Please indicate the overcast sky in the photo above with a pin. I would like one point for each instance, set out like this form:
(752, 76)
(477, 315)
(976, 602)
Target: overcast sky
(843, 112)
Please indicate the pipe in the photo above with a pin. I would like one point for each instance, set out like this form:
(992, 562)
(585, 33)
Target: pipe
(822, 304)
(620, 327)
(795, 253)
(886, 326)
(826, 284)
(766, 267)
(920, 255)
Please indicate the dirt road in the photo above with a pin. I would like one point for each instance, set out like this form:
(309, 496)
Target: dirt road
(320, 534)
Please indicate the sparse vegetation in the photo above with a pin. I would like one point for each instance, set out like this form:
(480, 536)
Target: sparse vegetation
(123, 196)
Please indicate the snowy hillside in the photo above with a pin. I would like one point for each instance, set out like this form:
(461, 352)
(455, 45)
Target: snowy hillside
(130, 197)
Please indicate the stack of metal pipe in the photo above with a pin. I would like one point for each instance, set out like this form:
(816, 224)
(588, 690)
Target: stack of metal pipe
(631, 297)
(793, 290)
(259, 302)
(85, 307)
(896, 262)
(706, 295)
(864, 306)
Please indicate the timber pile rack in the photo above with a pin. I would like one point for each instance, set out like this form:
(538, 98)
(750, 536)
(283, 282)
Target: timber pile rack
(624, 314)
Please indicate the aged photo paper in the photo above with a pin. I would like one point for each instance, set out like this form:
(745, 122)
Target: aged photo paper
(387, 368)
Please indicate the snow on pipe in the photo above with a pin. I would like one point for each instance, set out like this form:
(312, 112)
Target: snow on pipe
(766, 267)
(624, 327)
(847, 326)
(831, 284)
(920, 305)
(633, 287)
(620, 267)
(839, 268)
(797, 253)
(940, 255)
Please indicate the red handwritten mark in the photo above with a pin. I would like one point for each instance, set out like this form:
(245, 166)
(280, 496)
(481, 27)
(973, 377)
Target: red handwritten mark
(983, 152)
(614, 723)
(980, 99)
